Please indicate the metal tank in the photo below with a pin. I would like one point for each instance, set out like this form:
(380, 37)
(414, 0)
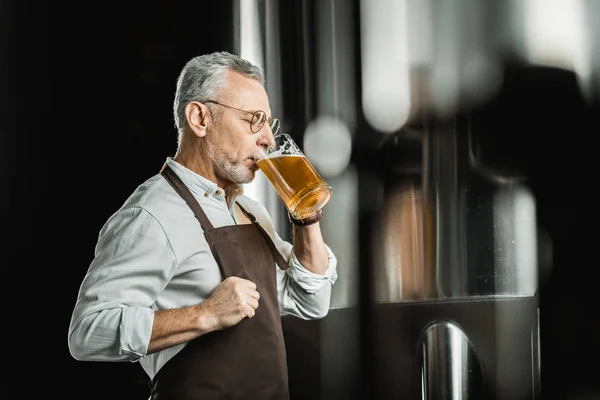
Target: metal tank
(455, 310)
(412, 111)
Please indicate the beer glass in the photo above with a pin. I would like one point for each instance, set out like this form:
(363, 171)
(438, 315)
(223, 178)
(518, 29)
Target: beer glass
(295, 180)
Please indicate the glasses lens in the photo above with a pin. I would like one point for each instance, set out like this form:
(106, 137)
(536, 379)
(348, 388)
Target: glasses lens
(274, 125)
(258, 120)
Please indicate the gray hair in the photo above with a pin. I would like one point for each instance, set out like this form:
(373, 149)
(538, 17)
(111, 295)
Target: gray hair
(203, 77)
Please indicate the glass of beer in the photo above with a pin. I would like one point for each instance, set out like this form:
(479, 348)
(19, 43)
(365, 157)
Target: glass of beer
(295, 180)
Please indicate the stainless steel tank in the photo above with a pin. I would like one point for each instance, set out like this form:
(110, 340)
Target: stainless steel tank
(433, 219)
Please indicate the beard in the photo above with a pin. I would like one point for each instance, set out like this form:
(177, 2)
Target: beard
(229, 169)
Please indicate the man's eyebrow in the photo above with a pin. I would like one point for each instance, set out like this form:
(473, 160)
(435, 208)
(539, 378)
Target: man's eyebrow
(250, 110)
(248, 113)
(243, 107)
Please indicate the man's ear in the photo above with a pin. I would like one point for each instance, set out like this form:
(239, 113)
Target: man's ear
(197, 117)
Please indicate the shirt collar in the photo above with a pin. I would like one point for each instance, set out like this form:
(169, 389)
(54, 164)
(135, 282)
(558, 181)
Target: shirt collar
(202, 186)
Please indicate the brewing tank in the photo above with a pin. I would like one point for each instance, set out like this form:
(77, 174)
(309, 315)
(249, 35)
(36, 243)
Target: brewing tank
(420, 115)
(455, 310)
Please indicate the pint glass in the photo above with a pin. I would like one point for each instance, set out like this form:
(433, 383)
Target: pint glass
(296, 181)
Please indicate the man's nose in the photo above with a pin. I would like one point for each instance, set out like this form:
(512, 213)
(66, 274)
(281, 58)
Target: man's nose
(266, 141)
(269, 139)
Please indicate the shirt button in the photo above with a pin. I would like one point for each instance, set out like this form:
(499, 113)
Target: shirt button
(206, 194)
(219, 192)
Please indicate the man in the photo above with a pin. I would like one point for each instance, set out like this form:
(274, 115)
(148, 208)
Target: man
(189, 277)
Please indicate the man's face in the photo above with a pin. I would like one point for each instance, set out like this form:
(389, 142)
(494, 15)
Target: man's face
(232, 146)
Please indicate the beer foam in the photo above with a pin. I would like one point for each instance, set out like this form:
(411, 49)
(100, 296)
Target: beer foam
(287, 148)
(277, 154)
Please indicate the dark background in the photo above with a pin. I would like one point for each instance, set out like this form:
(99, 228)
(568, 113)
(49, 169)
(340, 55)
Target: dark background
(86, 95)
(86, 118)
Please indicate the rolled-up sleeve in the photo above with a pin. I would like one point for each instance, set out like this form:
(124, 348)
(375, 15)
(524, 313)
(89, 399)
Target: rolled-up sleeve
(303, 293)
(113, 315)
(309, 281)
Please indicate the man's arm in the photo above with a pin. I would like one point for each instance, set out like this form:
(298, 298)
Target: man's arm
(229, 303)
(309, 248)
(113, 318)
(303, 289)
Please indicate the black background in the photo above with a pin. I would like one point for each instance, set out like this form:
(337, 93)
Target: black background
(86, 95)
(86, 118)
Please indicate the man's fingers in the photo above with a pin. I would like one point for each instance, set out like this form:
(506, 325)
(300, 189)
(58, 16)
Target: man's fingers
(242, 281)
(250, 312)
(253, 303)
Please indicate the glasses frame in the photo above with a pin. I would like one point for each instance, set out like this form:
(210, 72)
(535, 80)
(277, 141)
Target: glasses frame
(255, 117)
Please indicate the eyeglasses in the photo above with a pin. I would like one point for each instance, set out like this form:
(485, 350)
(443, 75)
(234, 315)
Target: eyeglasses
(258, 120)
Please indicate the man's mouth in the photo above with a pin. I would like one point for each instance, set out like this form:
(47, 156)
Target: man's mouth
(254, 164)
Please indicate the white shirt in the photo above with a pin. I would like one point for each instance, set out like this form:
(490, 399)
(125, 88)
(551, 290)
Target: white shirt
(152, 254)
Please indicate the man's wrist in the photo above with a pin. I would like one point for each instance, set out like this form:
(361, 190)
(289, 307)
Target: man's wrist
(306, 221)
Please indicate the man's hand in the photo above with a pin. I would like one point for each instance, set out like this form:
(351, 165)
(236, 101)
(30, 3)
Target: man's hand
(230, 302)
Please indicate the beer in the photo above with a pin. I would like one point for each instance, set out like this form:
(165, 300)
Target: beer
(298, 184)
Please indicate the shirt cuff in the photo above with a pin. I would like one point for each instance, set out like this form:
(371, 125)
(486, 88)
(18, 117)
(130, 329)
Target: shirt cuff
(135, 327)
(309, 281)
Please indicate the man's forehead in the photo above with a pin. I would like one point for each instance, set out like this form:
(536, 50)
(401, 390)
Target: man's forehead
(246, 92)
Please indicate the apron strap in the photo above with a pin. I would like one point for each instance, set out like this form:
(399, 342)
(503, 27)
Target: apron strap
(185, 193)
(283, 264)
(189, 198)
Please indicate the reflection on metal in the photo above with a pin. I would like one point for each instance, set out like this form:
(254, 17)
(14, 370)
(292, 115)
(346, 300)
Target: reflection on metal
(450, 369)
(328, 143)
(553, 33)
(334, 70)
(593, 33)
(255, 39)
(404, 275)
(465, 68)
(515, 243)
(458, 230)
(488, 173)
(444, 210)
(385, 68)
(340, 230)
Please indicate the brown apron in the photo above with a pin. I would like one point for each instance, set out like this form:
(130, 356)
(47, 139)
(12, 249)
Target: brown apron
(248, 360)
